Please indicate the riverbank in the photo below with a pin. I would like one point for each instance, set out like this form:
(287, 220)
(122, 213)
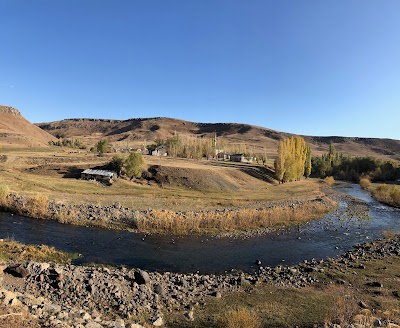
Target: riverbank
(81, 296)
(384, 193)
(260, 216)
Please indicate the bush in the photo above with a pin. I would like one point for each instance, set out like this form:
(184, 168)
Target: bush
(4, 191)
(134, 165)
(241, 318)
(330, 181)
(365, 183)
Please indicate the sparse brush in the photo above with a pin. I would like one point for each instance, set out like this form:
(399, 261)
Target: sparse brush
(15, 251)
(365, 183)
(4, 191)
(240, 318)
(38, 206)
(165, 221)
(387, 194)
(330, 181)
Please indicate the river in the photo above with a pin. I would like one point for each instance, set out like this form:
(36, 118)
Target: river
(329, 237)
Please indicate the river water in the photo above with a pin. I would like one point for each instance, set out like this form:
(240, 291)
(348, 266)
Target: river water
(328, 237)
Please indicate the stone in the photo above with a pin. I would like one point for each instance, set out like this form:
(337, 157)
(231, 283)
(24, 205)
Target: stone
(189, 315)
(17, 271)
(142, 277)
(159, 289)
(93, 325)
(37, 268)
(159, 322)
(243, 282)
(52, 308)
(216, 294)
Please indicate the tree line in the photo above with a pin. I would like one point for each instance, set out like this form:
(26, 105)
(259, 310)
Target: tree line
(345, 167)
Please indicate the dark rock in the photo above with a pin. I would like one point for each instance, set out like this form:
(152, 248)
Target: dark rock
(17, 271)
(142, 277)
(375, 284)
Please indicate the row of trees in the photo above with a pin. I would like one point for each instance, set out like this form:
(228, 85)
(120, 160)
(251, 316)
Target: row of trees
(193, 147)
(293, 160)
(72, 143)
(353, 168)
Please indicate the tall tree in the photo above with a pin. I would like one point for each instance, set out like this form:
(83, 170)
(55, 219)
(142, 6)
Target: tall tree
(280, 162)
(102, 146)
(308, 165)
(290, 163)
(134, 165)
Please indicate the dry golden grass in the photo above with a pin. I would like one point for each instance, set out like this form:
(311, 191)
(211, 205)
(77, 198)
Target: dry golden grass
(330, 181)
(230, 220)
(365, 183)
(4, 191)
(388, 194)
(11, 250)
(140, 195)
(240, 318)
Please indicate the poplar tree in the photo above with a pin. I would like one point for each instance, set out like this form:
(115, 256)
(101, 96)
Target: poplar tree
(294, 156)
(280, 161)
(308, 165)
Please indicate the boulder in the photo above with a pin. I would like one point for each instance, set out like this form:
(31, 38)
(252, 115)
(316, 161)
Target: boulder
(142, 277)
(159, 322)
(37, 268)
(159, 289)
(18, 271)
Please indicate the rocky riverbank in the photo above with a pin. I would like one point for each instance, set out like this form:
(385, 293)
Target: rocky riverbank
(81, 296)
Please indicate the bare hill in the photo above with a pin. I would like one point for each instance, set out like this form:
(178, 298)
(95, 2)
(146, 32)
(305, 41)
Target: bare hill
(16, 131)
(134, 132)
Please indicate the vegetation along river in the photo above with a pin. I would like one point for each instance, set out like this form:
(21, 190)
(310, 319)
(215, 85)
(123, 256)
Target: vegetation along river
(329, 237)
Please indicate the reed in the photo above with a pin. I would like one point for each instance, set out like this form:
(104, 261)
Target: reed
(164, 221)
(388, 194)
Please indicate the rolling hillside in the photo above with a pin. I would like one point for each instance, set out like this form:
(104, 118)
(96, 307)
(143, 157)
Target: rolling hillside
(135, 132)
(17, 132)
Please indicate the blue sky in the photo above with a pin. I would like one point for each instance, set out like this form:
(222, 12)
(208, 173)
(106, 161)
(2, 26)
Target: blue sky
(307, 67)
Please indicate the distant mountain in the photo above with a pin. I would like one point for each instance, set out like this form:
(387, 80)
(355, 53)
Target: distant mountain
(136, 131)
(16, 131)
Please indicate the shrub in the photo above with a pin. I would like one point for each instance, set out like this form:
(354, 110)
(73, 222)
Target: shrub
(134, 165)
(330, 181)
(365, 183)
(37, 207)
(4, 191)
(241, 318)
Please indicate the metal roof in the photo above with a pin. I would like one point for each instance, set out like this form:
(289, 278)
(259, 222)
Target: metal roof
(104, 173)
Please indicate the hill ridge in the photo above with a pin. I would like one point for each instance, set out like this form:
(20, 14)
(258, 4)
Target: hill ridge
(135, 131)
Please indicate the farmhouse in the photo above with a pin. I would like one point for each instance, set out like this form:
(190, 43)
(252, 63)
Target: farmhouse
(99, 175)
(241, 158)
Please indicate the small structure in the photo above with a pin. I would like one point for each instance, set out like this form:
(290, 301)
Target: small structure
(241, 158)
(222, 156)
(99, 175)
(161, 150)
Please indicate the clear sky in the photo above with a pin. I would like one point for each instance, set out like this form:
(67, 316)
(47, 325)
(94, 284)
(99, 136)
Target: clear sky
(321, 67)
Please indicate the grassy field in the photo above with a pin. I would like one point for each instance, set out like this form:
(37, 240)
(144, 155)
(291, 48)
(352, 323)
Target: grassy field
(47, 173)
(271, 306)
